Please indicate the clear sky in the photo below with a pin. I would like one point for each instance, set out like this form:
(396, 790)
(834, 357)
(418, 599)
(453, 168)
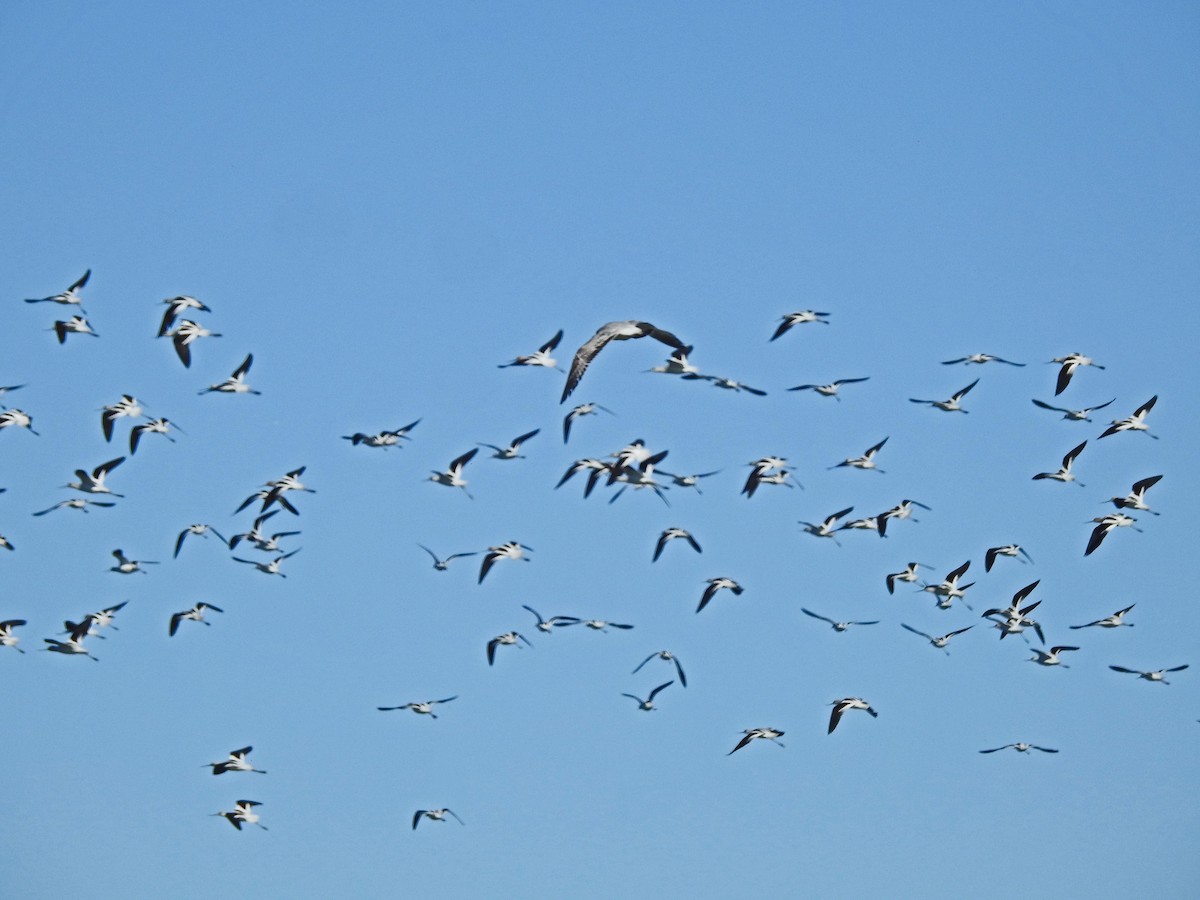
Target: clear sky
(383, 202)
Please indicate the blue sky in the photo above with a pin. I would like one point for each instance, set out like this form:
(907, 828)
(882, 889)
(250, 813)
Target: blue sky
(384, 203)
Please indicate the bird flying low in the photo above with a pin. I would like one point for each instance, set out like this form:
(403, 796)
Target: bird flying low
(614, 331)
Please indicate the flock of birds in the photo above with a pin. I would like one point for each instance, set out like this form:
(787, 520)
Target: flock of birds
(633, 467)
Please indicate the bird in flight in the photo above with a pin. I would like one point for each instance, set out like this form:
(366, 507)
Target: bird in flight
(1070, 363)
(541, 357)
(69, 297)
(648, 704)
(422, 708)
(951, 405)
(802, 317)
(980, 359)
(434, 815)
(766, 734)
(1020, 747)
(1073, 415)
(666, 656)
(840, 707)
(614, 331)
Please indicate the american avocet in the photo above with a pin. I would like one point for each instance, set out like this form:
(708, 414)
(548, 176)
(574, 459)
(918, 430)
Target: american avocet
(677, 364)
(1016, 617)
(154, 426)
(1064, 474)
(1136, 498)
(667, 656)
(766, 734)
(671, 534)
(949, 589)
(80, 503)
(1107, 524)
(908, 575)
(728, 384)
(69, 297)
(73, 325)
(1116, 620)
(1020, 747)
(951, 405)
(236, 762)
(513, 450)
(828, 390)
(837, 626)
(73, 646)
(509, 550)
(195, 614)
(717, 584)
(614, 331)
(421, 708)
(235, 383)
(7, 638)
(199, 530)
(176, 306)
(440, 564)
(1136, 422)
(802, 317)
(648, 704)
(583, 409)
(541, 357)
(1016, 551)
(434, 815)
(1050, 658)
(866, 461)
(509, 638)
(271, 567)
(1073, 415)
(256, 537)
(383, 439)
(827, 526)
(840, 707)
(1070, 363)
(1156, 675)
(243, 812)
(184, 335)
(127, 566)
(939, 642)
(93, 482)
(16, 418)
(452, 477)
(688, 481)
(127, 407)
(548, 625)
(979, 359)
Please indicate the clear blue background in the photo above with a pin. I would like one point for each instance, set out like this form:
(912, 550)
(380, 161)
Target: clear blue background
(385, 201)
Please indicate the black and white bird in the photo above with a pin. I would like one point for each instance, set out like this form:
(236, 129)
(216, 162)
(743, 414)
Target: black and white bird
(80, 503)
(671, 534)
(1016, 617)
(236, 762)
(127, 566)
(70, 297)
(127, 407)
(718, 584)
(383, 439)
(1051, 657)
(728, 384)
(154, 426)
(235, 383)
(177, 306)
(677, 364)
(1064, 473)
(583, 409)
(688, 481)
(93, 482)
(1070, 363)
(103, 619)
(1116, 620)
(951, 405)
(1016, 551)
(909, 575)
(513, 450)
(866, 461)
(548, 625)
(614, 331)
(73, 325)
(16, 418)
(980, 359)
(1073, 415)
(752, 734)
(802, 317)
(452, 477)
(243, 813)
(1020, 747)
(195, 614)
(440, 564)
(648, 704)
(1106, 524)
(255, 536)
(666, 656)
(949, 589)
(1156, 675)
(827, 526)
(941, 641)
(7, 638)
(271, 567)
(8, 389)
(421, 708)
(841, 707)
(198, 530)
(434, 815)
(837, 626)
(902, 510)
(509, 638)
(1136, 498)
(73, 646)
(184, 335)
(1136, 422)
(828, 390)
(541, 357)
(508, 550)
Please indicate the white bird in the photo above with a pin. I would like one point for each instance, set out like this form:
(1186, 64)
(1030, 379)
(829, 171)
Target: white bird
(766, 734)
(639, 476)
(127, 407)
(256, 537)
(600, 624)
(73, 325)
(80, 503)
(947, 590)
(548, 625)
(677, 364)
(728, 384)
(802, 317)
(1107, 524)
(614, 331)
(441, 565)
(422, 708)
(195, 614)
(93, 483)
(236, 762)
(979, 359)
(73, 646)
(951, 405)
(1156, 675)
(235, 383)
(648, 704)
(1044, 658)
(866, 461)
(154, 426)
(1116, 620)
(671, 534)
(666, 656)
(199, 530)
(828, 390)
(383, 439)
(513, 450)
(688, 481)
(583, 409)
(103, 619)
(837, 626)
(717, 584)
(16, 418)
(269, 568)
(826, 527)
(1073, 415)
(184, 335)
(1064, 474)
(939, 642)
(1016, 617)
(434, 815)
(1136, 498)
(541, 357)
(1136, 422)
(69, 297)
(902, 510)
(840, 707)
(908, 575)
(243, 812)
(504, 640)
(1014, 550)
(452, 477)
(176, 306)
(7, 638)
(1070, 363)
(760, 473)
(509, 550)
(126, 566)
(1020, 747)
(596, 469)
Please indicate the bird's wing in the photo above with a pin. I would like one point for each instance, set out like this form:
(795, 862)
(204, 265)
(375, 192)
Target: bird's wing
(583, 358)
(241, 370)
